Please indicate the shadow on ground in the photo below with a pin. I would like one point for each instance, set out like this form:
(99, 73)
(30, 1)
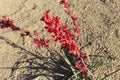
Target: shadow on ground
(32, 65)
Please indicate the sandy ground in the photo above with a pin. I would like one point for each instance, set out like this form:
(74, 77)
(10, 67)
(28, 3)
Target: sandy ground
(99, 21)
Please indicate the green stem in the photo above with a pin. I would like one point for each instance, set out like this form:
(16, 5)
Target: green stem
(68, 62)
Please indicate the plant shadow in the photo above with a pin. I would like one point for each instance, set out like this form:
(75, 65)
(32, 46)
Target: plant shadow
(32, 65)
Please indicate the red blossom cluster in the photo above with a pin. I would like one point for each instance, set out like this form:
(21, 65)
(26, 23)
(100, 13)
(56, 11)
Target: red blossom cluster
(40, 42)
(9, 23)
(81, 67)
(80, 64)
(61, 33)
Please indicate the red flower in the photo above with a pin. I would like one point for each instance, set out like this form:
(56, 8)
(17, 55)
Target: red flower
(63, 35)
(65, 3)
(41, 42)
(8, 23)
(65, 45)
(74, 48)
(36, 34)
(83, 56)
(74, 17)
(77, 29)
(47, 18)
(58, 36)
(52, 23)
(69, 36)
(57, 22)
(81, 67)
(50, 28)
(85, 70)
(4, 18)
(64, 27)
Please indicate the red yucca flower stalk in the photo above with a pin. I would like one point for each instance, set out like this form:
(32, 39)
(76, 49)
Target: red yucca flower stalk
(9, 23)
(80, 64)
(73, 16)
(60, 33)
